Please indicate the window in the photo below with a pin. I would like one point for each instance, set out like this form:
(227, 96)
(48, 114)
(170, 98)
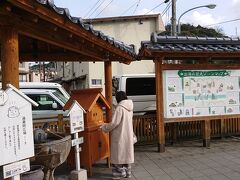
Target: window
(44, 102)
(96, 82)
(115, 85)
(23, 78)
(140, 86)
(60, 96)
(22, 65)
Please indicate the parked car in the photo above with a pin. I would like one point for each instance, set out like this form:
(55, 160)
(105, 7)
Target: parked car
(43, 85)
(140, 88)
(51, 102)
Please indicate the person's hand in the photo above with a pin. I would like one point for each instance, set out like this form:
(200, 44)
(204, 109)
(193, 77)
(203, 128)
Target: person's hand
(100, 127)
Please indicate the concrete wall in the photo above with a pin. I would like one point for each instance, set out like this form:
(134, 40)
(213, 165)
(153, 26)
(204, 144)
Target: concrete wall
(23, 71)
(128, 30)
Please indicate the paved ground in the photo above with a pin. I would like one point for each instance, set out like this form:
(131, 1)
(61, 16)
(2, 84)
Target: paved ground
(187, 160)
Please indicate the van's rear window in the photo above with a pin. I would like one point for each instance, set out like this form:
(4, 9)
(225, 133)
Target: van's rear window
(140, 86)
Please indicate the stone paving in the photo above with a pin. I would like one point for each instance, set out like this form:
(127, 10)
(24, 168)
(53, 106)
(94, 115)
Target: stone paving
(183, 161)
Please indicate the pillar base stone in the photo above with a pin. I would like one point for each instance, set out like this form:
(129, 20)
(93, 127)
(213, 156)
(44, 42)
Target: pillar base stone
(206, 142)
(79, 175)
(161, 148)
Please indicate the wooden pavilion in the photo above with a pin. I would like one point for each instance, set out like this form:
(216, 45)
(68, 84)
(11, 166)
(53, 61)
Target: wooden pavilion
(37, 30)
(190, 53)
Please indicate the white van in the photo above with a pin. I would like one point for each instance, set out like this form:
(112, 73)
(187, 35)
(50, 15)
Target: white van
(51, 98)
(140, 88)
(44, 85)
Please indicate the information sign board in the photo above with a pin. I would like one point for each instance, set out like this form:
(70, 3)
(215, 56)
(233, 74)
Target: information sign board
(16, 129)
(76, 118)
(189, 93)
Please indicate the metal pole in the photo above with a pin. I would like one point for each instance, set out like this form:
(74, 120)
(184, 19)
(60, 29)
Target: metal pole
(174, 30)
(77, 157)
(210, 6)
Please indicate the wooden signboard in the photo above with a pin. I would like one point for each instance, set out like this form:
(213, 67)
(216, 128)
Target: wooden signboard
(201, 93)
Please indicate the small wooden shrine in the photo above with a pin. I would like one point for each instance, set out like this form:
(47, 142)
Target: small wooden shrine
(96, 142)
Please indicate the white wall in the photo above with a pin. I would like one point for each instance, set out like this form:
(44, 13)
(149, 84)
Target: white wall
(129, 31)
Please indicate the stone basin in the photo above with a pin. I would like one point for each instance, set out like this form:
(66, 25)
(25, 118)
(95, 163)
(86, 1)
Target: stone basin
(52, 153)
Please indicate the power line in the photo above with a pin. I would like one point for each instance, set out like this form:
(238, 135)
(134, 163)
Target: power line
(167, 8)
(96, 8)
(154, 8)
(104, 8)
(92, 8)
(157, 6)
(136, 7)
(223, 22)
(129, 8)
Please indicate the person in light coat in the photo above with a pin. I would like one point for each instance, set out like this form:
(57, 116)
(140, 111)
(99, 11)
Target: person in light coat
(122, 141)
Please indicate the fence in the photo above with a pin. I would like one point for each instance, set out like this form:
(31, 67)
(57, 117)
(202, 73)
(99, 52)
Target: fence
(145, 128)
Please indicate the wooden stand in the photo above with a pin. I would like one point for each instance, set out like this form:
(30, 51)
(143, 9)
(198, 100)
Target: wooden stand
(96, 142)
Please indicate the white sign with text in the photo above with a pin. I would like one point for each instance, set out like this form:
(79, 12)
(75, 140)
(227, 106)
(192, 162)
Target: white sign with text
(16, 168)
(76, 118)
(16, 127)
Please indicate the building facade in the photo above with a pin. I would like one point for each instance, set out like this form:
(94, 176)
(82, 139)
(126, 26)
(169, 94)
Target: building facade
(23, 72)
(128, 29)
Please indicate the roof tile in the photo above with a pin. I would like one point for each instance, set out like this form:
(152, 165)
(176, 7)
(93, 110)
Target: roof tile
(77, 20)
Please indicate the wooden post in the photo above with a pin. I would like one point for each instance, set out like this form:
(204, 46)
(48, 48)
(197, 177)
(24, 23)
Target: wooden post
(108, 95)
(222, 127)
(9, 57)
(60, 123)
(108, 88)
(159, 103)
(206, 133)
(174, 132)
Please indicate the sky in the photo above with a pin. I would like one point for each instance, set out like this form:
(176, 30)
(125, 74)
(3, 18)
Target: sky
(225, 10)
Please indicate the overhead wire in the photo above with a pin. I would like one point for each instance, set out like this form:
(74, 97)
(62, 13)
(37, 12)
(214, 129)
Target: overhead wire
(92, 8)
(136, 7)
(223, 22)
(167, 19)
(104, 8)
(156, 7)
(129, 8)
(96, 8)
(167, 8)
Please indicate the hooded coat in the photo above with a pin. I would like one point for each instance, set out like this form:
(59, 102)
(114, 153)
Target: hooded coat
(121, 128)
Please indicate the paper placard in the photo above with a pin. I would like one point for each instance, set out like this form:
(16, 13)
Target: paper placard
(77, 141)
(16, 168)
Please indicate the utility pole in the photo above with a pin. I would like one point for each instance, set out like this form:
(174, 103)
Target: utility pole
(174, 28)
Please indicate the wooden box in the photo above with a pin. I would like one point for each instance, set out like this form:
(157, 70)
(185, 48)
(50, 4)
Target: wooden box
(96, 142)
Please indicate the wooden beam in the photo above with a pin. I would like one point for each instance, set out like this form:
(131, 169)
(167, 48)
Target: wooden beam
(200, 118)
(146, 54)
(49, 15)
(9, 56)
(199, 66)
(159, 103)
(182, 55)
(68, 56)
(108, 88)
(43, 33)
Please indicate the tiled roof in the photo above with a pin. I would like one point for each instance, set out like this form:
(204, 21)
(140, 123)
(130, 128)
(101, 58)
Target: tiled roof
(77, 20)
(192, 44)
